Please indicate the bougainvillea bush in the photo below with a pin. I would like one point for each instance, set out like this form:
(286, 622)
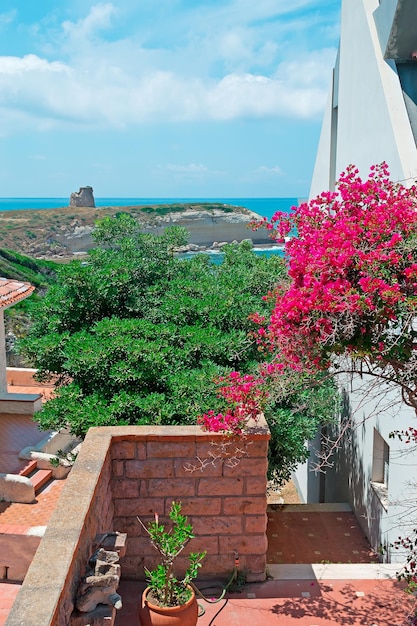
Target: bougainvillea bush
(352, 285)
(353, 282)
(351, 291)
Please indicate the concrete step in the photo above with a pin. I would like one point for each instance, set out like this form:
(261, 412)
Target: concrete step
(30, 468)
(20, 403)
(40, 478)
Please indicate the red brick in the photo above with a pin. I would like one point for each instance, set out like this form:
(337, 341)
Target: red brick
(257, 448)
(255, 523)
(125, 488)
(150, 506)
(123, 450)
(118, 468)
(201, 506)
(246, 506)
(253, 544)
(247, 467)
(256, 568)
(132, 567)
(195, 468)
(127, 525)
(168, 449)
(204, 544)
(225, 486)
(172, 487)
(215, 565)
(141, 450)
(127, 508)
(255, 486)
(143, 489)
(141, 546)
(212, 448)
(215, 525)
(150, 468)
(219, 453)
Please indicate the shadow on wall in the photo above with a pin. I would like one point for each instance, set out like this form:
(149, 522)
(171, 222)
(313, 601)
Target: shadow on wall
(348, 480)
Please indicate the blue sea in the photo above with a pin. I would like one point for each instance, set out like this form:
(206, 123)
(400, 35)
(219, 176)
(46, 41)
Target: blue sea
(263, 206)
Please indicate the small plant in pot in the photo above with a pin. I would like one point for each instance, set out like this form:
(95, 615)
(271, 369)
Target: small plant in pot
(169, 599)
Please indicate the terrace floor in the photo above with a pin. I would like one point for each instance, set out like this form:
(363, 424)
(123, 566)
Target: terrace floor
(322, 572)
(301, 602)
(346, 586)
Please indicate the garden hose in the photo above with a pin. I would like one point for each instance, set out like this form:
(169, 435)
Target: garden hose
(223, 588)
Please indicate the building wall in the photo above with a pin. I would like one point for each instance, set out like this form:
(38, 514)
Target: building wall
(366, 120)
(383, 515)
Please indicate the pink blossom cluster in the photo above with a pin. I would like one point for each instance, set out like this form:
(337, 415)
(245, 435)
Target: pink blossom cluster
(351, 268)
(245, 395)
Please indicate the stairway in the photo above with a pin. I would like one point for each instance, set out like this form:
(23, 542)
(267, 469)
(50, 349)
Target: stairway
(38, 477)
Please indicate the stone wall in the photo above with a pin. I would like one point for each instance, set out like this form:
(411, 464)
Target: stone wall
(122, 472)
(85, 508)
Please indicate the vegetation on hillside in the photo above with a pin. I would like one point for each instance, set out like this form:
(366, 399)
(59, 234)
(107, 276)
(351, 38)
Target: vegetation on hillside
(39, 273)
(42, 232)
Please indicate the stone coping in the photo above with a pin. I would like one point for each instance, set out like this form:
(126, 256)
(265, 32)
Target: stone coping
(54, 567)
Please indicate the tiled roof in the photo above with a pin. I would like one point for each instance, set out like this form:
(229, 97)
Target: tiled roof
(11, 291)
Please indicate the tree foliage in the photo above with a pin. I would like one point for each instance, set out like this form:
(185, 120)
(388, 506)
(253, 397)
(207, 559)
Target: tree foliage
(137, 336)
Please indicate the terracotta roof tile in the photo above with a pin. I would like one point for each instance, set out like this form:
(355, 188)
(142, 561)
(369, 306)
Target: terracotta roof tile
(12, 291)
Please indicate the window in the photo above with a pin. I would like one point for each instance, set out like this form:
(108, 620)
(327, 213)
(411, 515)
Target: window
(380, 468)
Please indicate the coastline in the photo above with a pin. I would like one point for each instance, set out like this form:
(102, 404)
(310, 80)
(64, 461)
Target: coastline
(67, 232)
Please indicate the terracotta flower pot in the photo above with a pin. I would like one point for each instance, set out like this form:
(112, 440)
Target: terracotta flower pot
(183, 615)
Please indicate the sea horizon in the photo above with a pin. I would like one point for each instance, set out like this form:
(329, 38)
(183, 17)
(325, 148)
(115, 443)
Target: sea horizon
(265, 207)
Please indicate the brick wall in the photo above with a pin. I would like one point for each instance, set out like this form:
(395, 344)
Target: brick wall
(226, 505)
(122, 472)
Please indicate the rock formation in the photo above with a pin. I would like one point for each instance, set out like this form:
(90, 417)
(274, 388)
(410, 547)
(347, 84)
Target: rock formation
(83, 198)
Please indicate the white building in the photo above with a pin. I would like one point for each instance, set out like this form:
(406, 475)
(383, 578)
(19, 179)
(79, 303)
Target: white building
(371, 116)
(371, 112)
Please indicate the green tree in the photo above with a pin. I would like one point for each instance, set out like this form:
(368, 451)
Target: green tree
(137, 336)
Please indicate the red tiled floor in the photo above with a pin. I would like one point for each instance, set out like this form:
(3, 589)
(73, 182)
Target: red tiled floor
(295, 603)
(299, 535)
(8, 593)
(18, 432)
(36, 514)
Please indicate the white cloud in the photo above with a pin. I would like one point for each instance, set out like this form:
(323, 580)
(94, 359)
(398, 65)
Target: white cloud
(122, 82)
(7, 17)
(108, 96)
(16, 66)
(99, 18)
(275, 170)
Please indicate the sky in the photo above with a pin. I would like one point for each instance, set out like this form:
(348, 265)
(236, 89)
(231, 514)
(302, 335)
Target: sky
(163, 98)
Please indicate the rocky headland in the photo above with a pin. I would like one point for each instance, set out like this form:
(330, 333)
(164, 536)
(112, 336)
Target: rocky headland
(67, 231)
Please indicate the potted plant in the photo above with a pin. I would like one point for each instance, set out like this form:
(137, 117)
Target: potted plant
(167, 599)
